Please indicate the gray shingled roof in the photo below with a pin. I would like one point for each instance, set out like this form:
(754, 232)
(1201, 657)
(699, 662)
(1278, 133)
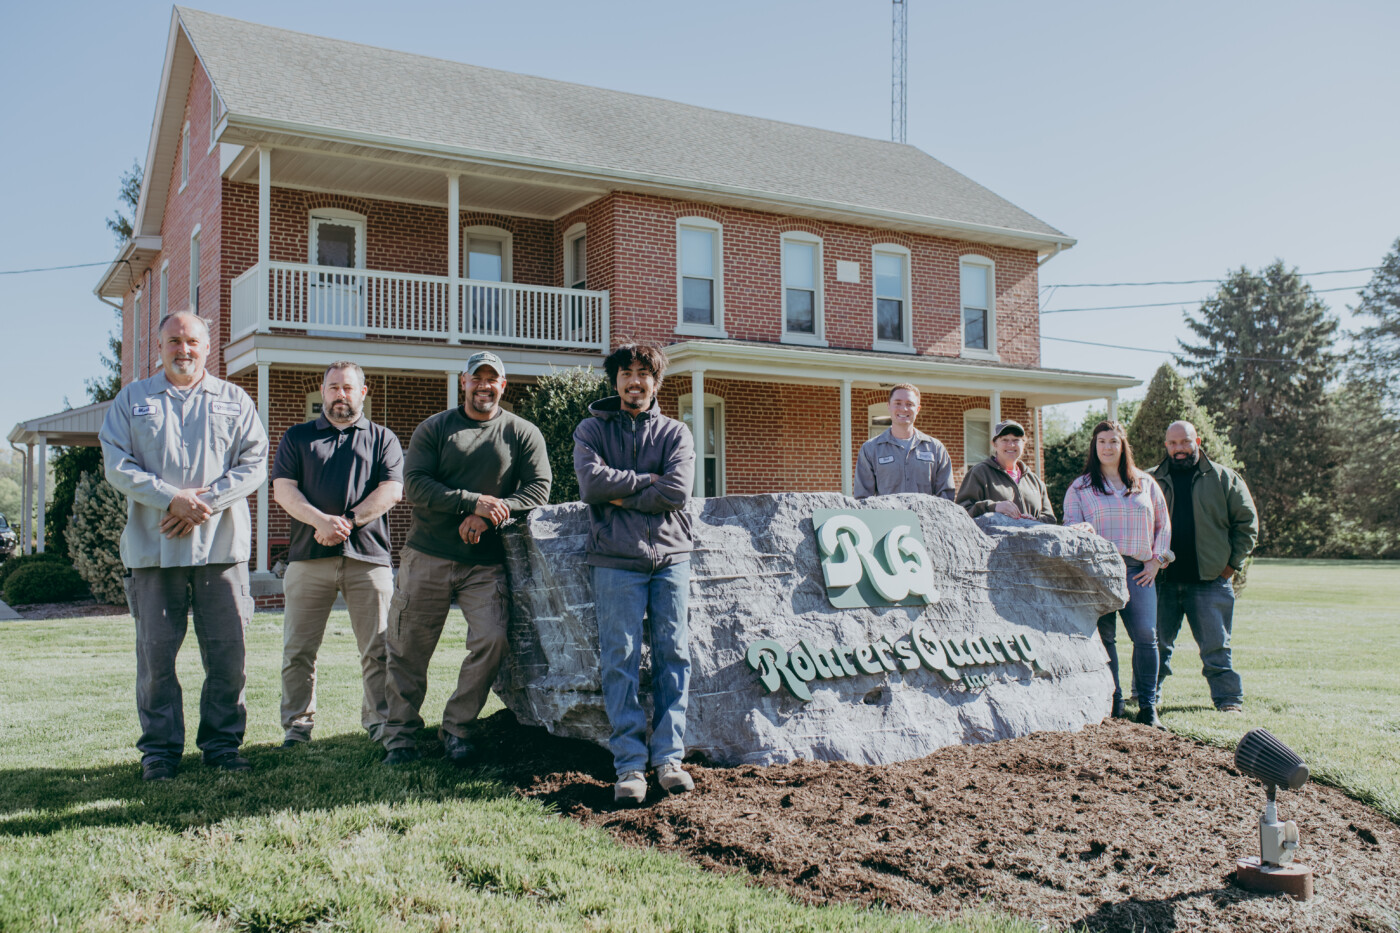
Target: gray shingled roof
(277, 75)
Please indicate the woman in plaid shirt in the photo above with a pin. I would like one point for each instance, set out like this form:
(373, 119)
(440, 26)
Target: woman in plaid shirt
(1125, 505)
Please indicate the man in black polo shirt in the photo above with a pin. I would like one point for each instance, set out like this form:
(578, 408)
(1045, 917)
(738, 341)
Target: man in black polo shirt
(336, 476)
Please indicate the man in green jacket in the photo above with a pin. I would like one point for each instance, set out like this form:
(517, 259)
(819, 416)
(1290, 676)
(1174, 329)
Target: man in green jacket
(1214, 527)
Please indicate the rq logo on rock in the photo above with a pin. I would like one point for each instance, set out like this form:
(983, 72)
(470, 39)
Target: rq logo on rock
(873, 557)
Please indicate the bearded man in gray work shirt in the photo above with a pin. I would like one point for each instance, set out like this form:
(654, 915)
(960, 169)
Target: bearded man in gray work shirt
(903, 458)
(187, 449)
(466, 471)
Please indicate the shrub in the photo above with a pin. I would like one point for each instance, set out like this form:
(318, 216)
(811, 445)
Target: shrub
(94, 537)
(557, 403)
(25, 560)
(44, 582)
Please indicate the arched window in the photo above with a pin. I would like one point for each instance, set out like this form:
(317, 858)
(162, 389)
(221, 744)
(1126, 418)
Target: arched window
(977, 281)
(712, 459)
(699, 277)
(803, 294)
(977, 435)
(890, 294)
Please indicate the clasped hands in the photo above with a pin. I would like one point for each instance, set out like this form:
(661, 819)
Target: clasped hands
(489, 513)
(186, 512)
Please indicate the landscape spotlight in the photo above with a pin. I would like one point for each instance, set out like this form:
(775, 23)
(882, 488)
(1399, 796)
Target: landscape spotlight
(1262, 756)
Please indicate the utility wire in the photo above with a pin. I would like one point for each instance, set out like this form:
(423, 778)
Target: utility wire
(1115, 346)
(79, 265)
(1183, 301)
(1197, 281)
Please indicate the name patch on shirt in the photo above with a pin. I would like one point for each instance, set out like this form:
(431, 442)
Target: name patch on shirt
(924, 455)
(139, 410)
(226, 408)
(885, 459)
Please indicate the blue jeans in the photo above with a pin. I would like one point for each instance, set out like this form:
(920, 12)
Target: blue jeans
(622, 598)
(1140, 619)
(1210, 608)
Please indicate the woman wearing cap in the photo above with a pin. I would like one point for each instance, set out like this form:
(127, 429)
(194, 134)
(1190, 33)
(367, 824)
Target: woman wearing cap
(1121, 503)
(1003, 484)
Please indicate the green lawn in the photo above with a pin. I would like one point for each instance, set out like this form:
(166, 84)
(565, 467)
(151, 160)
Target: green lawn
(324, 837)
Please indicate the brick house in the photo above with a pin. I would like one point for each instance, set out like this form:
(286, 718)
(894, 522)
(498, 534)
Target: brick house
(315, 199)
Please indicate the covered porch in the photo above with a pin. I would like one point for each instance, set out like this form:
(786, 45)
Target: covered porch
(76, 427)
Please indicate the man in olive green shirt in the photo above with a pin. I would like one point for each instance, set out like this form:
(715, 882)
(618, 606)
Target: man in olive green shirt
(466, 471)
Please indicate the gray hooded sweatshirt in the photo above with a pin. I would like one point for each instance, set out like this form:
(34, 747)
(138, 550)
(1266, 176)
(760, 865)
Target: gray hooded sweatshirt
(614, 457)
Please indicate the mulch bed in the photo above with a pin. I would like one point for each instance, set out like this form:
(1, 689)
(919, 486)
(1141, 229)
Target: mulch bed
(1117, 827)
(80, 609)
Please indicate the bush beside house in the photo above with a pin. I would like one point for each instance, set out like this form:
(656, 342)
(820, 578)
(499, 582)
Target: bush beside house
(94, 537)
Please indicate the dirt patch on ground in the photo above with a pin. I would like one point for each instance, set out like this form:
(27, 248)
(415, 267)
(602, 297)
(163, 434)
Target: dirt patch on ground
(81, 609)
(1118, 827)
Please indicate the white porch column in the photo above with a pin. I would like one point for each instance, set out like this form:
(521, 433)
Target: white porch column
(264, 253)
(263, 563)
(697, 428)
(994, 402)
(1113, 407)
(454, 262)
(847, 480)
(26, 520)
(42, 486)
(452, 380)
(1039, 451)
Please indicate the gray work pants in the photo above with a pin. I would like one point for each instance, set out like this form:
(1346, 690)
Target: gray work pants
(310, 587)
(161, 599)
(423, 594)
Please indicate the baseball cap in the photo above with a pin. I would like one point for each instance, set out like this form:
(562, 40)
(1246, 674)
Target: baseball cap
(1008, 427)
(484, 358)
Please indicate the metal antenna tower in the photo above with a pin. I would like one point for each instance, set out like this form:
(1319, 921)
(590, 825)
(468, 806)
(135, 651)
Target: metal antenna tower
(899, 67)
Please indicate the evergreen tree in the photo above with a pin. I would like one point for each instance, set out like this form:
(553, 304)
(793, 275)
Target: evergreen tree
(1170, 398)
(1064, 458)
(94, 537)
(556, 404)
(1377, 358)
(1262, 366)
(119, 223)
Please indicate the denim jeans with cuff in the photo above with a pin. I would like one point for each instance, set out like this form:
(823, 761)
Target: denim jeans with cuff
(1210, 609)
(1140, 619)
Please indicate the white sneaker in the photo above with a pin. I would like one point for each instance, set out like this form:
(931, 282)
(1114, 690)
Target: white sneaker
(631, 787)
(673, 778)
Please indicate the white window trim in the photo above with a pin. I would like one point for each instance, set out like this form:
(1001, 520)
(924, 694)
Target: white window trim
(140, 333)
(488, 232)
(976, 352)
(907, 344)
(570, 235)
(818, 337)
(975, 415)
(879, 410)
(333, 214)
(194, 268)
(213, 116)
(164, 289)
(184, 157)
(684, 403)
(701, 330)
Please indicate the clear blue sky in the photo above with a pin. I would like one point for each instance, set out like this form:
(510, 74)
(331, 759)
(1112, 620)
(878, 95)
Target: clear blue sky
(1173, 141)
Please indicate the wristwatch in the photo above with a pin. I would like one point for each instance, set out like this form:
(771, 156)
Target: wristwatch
(1166, 557)
(350, 514)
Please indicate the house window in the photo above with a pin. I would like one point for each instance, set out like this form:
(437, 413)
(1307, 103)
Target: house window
(713, 459)
(486, 257)
(878, 420)
(164, 289)
(194, 271)
(802, 289)
(977, 276)
(892, 325)
(140, 335)
(700, 277)
(576, 257)
(185, 156)
(977, 436)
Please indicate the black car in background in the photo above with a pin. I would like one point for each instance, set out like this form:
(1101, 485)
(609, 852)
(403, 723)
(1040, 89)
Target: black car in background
(8, 538)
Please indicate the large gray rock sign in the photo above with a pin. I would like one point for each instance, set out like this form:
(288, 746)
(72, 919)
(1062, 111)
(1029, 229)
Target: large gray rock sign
(1008, 647)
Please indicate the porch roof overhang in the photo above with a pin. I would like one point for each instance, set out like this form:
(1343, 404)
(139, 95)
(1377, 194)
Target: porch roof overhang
(764, 362)
(76, 427)
(135, 257)
(313, 353)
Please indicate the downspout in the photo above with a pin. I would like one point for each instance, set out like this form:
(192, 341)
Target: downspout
(1056, 252)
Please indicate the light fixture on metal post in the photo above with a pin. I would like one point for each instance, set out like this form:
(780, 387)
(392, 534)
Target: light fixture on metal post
(1262, 756)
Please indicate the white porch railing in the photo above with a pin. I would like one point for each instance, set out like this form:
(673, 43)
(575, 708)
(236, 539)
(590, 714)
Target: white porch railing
(331, 302)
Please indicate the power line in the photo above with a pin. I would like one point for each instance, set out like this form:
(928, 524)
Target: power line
(1183, 301)
(1198, 281)
(79, 265)
(1115, 346)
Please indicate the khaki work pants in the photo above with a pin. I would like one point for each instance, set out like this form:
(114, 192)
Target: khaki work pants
(423, 596)
(310, 588)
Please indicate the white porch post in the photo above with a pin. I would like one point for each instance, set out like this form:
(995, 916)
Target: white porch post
(995, 404)
(263, 562)
(1039, 451)
(42, 486)
(26, 521)
(264, 252)
(847, 480)
(697, 428)
(452, 400)
(454, 265)
(1113, 407)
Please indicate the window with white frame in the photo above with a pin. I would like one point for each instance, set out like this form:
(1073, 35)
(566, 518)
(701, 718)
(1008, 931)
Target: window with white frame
(576, 257)
(877, 420)
(893, 329)
(194, 271)
(486, 257)
(712, 466)
(802, 289)
(185, 156)
(700, 277)
(977, 276)
(138, 326)
(977, 436)
(164, 289)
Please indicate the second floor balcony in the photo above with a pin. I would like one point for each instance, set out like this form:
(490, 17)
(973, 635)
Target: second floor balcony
(329, 301)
